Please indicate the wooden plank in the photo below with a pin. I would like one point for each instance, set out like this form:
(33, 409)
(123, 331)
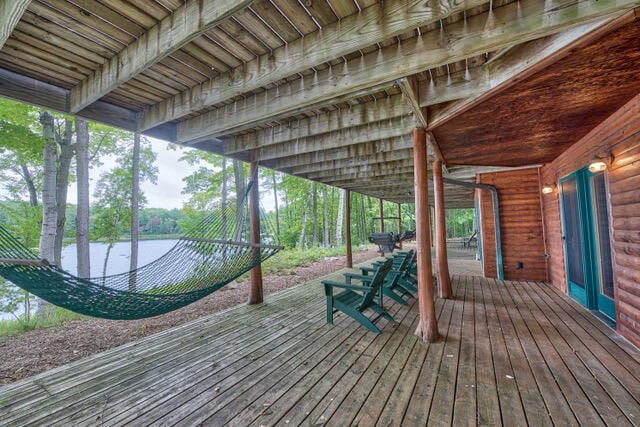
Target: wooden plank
(354, 32)
(423, 391)
(603, 391)
(96, 376)
(441, 411)
(381, 148)
(358, 115)
(534, 405)
(572, 394)
(158, 42)
(381, 130)
(511, 408)
(478, 84)
(465, 412)
(10, 14)
(326, 404)
(393, 62)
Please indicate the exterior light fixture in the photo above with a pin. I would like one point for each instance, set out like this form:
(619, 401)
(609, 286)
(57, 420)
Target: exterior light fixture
(599, 163)
(547, 188)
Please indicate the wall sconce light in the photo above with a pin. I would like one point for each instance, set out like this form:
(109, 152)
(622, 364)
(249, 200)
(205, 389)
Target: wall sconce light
(548, 188)
(599, 163)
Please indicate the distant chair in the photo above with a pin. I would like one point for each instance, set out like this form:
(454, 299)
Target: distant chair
(355, 299)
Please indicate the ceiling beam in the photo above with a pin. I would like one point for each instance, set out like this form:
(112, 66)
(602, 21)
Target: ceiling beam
(380, 157)
(355, 150)
(381, 21)
(381, 130)
(360, 114)
(513, 66)
(521, 21)
(411, 91)
(367, 170)
(186, 23)
(10, 14)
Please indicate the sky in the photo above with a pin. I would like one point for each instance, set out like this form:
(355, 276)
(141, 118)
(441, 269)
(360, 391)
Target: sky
(166, 193)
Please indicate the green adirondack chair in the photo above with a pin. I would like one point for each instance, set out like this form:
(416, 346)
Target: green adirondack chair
(355, 299)
(397, 284)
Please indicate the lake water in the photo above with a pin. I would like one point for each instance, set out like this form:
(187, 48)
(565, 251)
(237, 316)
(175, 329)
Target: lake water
(148, 250)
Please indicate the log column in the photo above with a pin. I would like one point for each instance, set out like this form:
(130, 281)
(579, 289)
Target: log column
(255, 293)
(428, 325)
(381, 213)
(442, 266)
(348, 230)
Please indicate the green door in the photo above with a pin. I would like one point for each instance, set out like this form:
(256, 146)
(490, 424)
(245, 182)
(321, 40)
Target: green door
(585, 220)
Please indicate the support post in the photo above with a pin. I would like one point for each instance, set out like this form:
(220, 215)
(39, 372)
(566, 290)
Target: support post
(347, 197)
(255, 293)
(381, 211)
(428, 325)
(442, 265)
(399, 226)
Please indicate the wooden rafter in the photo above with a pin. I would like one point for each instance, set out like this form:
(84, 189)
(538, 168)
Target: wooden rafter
(411, 91)
(358, 115)
(188, 22)
(10, 14)
(380, 21)
(339, 153)
(522, 21)
(512, 66)
(380, 157)
(383, 130)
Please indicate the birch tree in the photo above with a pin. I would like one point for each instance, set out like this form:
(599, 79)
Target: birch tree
(340, 217)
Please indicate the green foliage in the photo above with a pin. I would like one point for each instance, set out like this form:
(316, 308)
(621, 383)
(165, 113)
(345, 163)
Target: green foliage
(113, 195)
(52, 319)
(288, 260)
(459, 222)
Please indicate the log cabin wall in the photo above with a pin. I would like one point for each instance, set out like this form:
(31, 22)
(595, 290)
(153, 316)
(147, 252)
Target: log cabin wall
(520, 225)
(620, 135)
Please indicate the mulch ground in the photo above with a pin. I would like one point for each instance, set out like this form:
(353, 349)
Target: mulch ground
(37, 351)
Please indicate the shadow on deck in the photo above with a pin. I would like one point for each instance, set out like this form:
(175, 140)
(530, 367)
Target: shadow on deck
(513, 353)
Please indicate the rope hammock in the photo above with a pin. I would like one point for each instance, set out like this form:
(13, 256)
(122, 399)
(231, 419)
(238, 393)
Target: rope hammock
(212, 254)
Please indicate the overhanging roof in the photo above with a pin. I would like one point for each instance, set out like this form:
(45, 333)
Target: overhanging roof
(328, 89)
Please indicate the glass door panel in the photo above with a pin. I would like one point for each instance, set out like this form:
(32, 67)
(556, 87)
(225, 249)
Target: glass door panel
(604, 270)
(573, 242)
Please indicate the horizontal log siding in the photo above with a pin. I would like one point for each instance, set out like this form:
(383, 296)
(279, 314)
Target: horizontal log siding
(620, 134)
(520, 225)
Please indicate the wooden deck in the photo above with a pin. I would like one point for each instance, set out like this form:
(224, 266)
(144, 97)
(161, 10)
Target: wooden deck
(514, 353)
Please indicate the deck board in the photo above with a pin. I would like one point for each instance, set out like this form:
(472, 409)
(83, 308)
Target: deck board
(511, 353)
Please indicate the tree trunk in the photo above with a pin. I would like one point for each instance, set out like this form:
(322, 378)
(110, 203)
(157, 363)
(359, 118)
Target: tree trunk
(305, 217)
(135, 210)
(224, 198)
(66, 153)
(363, 213)
(238, 174)
(106, 259)
(275, 201)
(31, 186)
(315, 214)
(49, 210)
(325, 219)
(339, 219)
(82, 215)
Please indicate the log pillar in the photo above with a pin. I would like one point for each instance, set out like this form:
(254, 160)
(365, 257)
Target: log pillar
(428, 325)
(348, 230)
(442, 265)
(255, 293)
(399, 225)
(381, 211)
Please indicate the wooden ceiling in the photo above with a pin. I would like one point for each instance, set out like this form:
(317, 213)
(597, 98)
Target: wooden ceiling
(330, 90)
